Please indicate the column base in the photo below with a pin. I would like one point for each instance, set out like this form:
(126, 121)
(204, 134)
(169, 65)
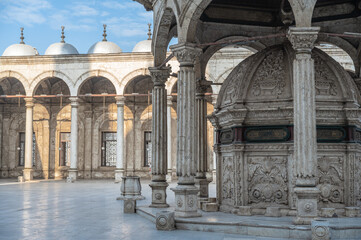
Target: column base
(186, 201)
(214, 176)
(119, 173)
(202, 185)
(169, 175)
(28, 174)
(307, 198)
(159, 194)
(73, 175)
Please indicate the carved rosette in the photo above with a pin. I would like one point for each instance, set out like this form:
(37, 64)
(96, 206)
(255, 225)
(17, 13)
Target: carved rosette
(303, 39)
(160, 75)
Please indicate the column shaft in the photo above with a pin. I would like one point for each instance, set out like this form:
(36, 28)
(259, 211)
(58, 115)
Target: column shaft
(201, 131)
(186, 192)
(159, 136)
(73, 171)
(28, 165)
(119, 171)
(169, 136)
(304, 104)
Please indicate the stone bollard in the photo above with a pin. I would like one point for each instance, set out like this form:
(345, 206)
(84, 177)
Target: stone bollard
(165, 221)
(21, 179)
(328, 212)
(273, 212)
(320, 230)
(352, 211)
(69, 180)
(129, 206)
(130, 188)
(244, 211)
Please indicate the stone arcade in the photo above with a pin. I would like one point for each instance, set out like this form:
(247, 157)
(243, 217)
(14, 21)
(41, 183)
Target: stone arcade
(286, 120)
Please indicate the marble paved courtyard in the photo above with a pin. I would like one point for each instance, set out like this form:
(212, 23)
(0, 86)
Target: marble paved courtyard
(81, 210)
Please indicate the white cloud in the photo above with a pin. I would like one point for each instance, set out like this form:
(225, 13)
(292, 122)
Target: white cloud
(25, 12)
(81, 9)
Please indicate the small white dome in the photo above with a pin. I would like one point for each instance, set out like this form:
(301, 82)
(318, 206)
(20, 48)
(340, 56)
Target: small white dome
(20, 50)
(61, 49)
(143, 46)
(104, 47)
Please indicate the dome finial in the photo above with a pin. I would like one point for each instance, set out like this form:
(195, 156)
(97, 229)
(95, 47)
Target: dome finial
(62, 34)
(105, 33)
(149, 31)
(22, 35)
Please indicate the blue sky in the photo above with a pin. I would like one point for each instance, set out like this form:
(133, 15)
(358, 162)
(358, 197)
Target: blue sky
(83, 20)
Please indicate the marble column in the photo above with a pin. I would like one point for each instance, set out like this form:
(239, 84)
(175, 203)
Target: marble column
(119, 170)
(28, 165)
(73, 171)
(214, 171)
(169, 138)
(305, 141)
(201, 138)
(186, 191)
(159, 136)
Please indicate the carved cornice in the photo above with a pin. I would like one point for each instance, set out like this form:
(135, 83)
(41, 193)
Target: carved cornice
(186, 53)
(303, 39)
(159, 75)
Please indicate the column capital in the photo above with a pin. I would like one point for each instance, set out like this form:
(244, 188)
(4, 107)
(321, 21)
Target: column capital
(74, 102)
(159, 74)
(202, 85)
(29, 102)
(303, 38)
(120, 101)
(186, 53)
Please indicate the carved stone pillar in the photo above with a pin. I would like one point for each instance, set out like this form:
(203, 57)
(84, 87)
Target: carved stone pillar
(201, 131)
(119, 170)
(214, 171)
(159, 137)
(304, 104)
(186, 192)
(28, 166)
(169, 137)
(73, 171)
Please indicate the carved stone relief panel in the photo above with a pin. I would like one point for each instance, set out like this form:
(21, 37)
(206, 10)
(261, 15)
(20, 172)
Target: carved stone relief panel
(357, 179)
(267, 180)
(270, 80)
(331, 179)
(228, 181)
(326, 82)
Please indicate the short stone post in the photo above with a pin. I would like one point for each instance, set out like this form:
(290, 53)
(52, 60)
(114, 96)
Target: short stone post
(165, 221)
(320, 230)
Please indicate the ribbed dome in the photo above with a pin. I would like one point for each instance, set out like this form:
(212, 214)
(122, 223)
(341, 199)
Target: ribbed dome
(143, 46)
(61, 49)
(20, 50)
(104, 47)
